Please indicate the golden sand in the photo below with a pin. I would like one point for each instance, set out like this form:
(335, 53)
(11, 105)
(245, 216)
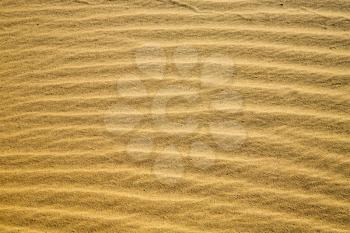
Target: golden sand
(174, 116)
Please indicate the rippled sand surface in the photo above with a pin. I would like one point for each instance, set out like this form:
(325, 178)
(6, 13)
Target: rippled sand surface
(186, 116)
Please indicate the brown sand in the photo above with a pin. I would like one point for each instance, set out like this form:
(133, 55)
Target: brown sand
(174, 116)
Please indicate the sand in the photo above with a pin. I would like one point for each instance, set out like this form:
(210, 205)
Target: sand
(174, 116)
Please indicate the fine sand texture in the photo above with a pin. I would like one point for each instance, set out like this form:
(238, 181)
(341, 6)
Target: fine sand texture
(174, 116)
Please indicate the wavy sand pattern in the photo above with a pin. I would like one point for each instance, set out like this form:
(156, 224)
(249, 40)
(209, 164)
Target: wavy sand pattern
(175, 116)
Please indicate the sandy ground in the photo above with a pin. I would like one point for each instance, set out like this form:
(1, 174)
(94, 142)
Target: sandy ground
(198, 116)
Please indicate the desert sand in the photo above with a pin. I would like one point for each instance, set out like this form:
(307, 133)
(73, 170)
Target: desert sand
(196, 116)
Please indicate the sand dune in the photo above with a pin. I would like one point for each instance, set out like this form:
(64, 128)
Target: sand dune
(175, 116)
